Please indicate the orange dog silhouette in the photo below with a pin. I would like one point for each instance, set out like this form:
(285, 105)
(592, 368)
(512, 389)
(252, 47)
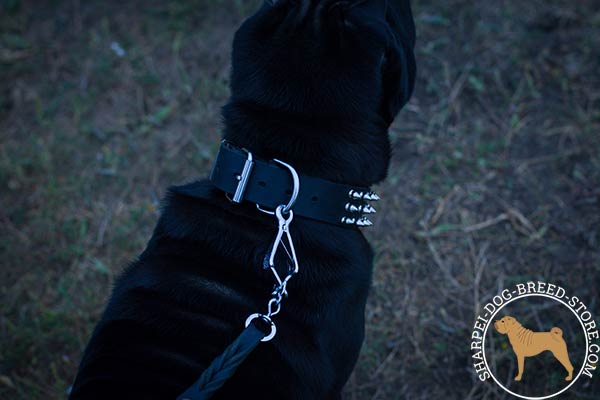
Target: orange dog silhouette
(526, 343)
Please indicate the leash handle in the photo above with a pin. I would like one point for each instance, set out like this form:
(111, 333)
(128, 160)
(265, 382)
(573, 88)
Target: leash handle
(224, 366)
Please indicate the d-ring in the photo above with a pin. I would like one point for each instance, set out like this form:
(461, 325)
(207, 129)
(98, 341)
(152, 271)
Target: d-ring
(271, 335)
(296, 188)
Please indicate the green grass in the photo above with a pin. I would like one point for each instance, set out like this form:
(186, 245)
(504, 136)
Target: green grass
(504, 120)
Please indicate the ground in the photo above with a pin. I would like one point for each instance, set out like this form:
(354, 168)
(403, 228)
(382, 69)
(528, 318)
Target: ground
(495, 175)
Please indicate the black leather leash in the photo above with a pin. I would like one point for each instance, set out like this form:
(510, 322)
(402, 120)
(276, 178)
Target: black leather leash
(224, 366)
(244, 177)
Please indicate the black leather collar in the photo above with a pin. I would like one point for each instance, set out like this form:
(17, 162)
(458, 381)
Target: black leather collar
(266, 183)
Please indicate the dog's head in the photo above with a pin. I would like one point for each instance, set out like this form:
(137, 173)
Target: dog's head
(505, 324)
(318, 82)
(326, 58)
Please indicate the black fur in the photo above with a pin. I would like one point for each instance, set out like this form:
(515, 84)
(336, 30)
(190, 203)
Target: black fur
(314, 83)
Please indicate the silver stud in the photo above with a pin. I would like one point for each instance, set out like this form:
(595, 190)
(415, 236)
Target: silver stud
(353, 194)
(349, 221)
(368, 209)
(352, 208)
(371, 196)
(364, 221)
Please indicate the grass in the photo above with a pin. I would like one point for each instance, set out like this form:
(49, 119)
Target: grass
(496, 169)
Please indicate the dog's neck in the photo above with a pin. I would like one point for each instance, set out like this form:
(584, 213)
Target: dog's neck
(518, 331)
(347, 150)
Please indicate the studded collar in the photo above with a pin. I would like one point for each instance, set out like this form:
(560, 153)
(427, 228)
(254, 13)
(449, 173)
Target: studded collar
(267, 184)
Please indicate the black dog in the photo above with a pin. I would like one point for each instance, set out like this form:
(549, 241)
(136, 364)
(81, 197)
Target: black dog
(316, 84)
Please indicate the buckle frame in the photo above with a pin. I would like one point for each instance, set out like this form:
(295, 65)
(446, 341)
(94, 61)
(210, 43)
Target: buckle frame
(238, 196)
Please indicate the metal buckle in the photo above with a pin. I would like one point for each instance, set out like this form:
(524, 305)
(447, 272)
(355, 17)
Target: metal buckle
(243, 178)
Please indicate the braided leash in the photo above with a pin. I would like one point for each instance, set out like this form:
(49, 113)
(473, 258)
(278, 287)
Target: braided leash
(223, 367)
